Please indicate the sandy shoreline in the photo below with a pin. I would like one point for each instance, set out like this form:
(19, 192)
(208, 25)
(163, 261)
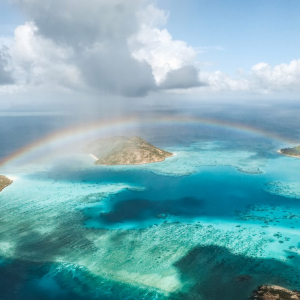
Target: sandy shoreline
(93, 156)
(137, 164)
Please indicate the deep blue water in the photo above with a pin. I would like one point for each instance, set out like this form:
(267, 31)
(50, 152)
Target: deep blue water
(213, 192)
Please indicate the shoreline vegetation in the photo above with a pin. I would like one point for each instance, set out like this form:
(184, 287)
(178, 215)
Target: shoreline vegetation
(291, 152)
(4, 182)
(121, 150)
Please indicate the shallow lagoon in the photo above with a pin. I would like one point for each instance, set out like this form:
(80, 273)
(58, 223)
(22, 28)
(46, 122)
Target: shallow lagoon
(182, 229)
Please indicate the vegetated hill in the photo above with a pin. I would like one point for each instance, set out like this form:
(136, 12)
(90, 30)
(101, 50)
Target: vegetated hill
(121, 150)
(273, 292)
(291, 151)
(4, 182)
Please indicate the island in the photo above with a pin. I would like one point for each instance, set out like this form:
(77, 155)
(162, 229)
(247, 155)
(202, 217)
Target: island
(122, 150)
(4, 182)
(273, 292)
(294, 152)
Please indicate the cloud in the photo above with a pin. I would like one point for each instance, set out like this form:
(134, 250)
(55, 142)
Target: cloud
(5, 74)
(183, 78)
(82, 42)
(220, 81)
(114, 47)
(39, 61)
(262, 79)
(280, 77)
(111, 68)
(83, 22)
(85, 41)
(157, 47)
(121, 48)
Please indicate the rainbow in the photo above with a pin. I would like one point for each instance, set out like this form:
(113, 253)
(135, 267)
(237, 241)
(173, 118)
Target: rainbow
(73, 134)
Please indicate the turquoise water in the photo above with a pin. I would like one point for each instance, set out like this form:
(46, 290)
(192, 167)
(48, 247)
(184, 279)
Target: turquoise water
(186, 228)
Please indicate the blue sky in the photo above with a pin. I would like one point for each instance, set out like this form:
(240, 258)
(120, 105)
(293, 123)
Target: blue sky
(10, 18)
(249, 31)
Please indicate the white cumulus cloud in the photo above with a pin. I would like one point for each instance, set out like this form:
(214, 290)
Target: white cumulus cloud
(37, 60)
(280, 77)
(157, 47)
(220, 81)
(115, 46)
(121, 48)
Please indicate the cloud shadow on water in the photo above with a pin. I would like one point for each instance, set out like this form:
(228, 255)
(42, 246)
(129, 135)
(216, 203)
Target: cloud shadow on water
(214, 273)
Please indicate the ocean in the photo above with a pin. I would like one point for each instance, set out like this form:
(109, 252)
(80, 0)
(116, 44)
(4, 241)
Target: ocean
(214, 221)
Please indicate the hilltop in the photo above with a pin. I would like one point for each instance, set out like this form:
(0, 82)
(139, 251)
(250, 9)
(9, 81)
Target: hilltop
(294, 152)
(121, 150)
(273, 292)
(4, 182)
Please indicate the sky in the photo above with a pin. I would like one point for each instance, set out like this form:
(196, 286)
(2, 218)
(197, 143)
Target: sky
(248, 31)
(64, 51)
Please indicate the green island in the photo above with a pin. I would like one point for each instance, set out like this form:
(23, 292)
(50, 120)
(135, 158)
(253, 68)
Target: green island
(273, 292)
(4, 182)
(294, 152)
(121, 150)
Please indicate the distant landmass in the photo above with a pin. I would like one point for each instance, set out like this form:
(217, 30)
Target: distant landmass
(294, 152)
(4, 182)
(121, 150)
(273, 292)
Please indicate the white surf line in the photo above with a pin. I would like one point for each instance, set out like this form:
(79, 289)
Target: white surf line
(93, 156)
